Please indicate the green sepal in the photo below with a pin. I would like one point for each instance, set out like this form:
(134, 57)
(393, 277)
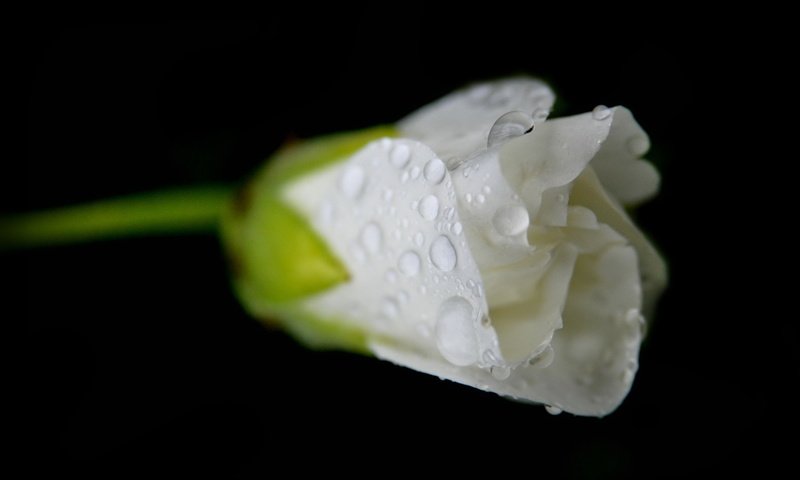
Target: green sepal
(277, 259)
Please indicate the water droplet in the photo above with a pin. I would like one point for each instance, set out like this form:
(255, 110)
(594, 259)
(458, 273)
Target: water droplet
(458, 228)
(372, 237)
(388, 195)
(419, 239)
(351, 183)
(403, 296)
(553, 410)
(423, 330)
(434, 171)
(543, 359)
(391, 276)
(443, 254)
(511, 220)
(400, 155)
(415, 172)
(409, 263)
(638, 145)
(490, 358)
(390, 308)
(455, 332)
(468, 197)
(404, 177)
(414, 204)
(500, 372)
(601, 112)
(485, 320)
(429, 207)
(487, 189)
(511, 125)
(386, 143)
(480, 198)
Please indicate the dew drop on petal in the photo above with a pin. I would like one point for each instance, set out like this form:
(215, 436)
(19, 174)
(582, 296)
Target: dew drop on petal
(510, 220)
(455, 333)
(391, 276)
(403, 296)
(414, 172)
(601, 112)
(458, 228)
(443, 254)
(423, 330)
(429, 207)
(511, 125)
(500, 372)
(372, 237)
(553, 410)
(419, 239)
(409, 263)
(351, 183)
(400, 155)
(390, 308)
(543, 359)
(434, 171)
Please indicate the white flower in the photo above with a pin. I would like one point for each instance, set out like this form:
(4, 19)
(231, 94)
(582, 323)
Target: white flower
(481, 244)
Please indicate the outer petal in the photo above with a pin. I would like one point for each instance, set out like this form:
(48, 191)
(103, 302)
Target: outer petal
(618, 165)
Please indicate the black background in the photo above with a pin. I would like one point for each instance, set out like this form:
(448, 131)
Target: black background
(137, 358)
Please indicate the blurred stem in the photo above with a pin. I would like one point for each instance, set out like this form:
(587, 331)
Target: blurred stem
(190, 210)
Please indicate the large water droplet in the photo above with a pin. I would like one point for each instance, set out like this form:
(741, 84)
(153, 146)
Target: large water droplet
(400, 155)
(434, 171)
(601, 112)
(429, 207)
(455, 332)
(409, 263)
(511, 220)
(351, 183)
(443, 254)
(458, 228)
(500, 372)
(511, 125)
(372, 237)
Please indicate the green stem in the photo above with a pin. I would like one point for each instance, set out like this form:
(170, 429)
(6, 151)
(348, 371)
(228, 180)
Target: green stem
(191, 210)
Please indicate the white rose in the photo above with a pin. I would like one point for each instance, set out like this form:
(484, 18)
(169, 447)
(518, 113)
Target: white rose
(475, 241)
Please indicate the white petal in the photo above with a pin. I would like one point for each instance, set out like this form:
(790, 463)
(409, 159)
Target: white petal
(459, 124)
(618, 165)
(589, 192)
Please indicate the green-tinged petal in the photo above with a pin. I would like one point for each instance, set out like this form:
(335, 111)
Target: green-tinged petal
(277, 258)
